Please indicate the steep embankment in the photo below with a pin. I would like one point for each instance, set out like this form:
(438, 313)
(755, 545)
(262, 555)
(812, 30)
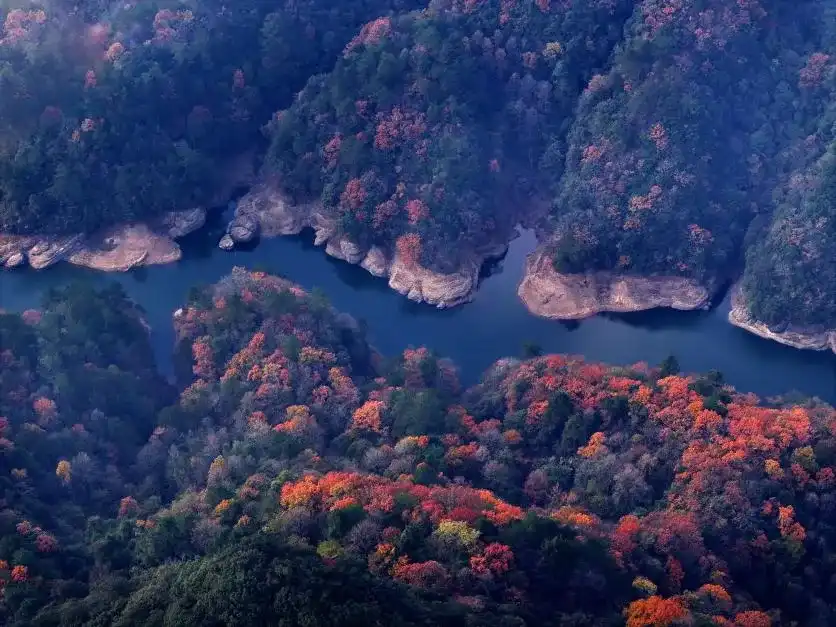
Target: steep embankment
(427, 125)
(807, 339)
(115, 249)
(550, 294)
(643, 125)
(267, 211)
(120, 247)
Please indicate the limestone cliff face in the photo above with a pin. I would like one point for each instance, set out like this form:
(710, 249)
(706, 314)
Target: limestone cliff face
(375, 262)
(180, 223)
(125, 246)
(13, 249)
(550, 294)
(39, 252)
(273, 212)
(121, 248)
(340, 247)
(276, 215)
(442, 290)
(809, 339)
(115, 249)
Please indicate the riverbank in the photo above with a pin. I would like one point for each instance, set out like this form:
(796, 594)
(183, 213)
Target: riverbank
(115, 249)
(122, 247)
(543, 292)
(266, 212)
(261, 212)
(495, 324)
(804, 339)
(550, 294)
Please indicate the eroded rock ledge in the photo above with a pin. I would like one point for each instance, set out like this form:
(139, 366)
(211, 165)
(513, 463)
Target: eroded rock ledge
(274, 215)
(807, 339)
(115, 249)
(122, 247)
(550, 294)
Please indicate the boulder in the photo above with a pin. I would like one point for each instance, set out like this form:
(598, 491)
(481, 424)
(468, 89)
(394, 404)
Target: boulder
(15, 259)
(46, 253)
(181, 223)
(226, 243)
(243, 229)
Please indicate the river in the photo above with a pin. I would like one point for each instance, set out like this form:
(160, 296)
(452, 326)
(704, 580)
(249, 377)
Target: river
(494, 325)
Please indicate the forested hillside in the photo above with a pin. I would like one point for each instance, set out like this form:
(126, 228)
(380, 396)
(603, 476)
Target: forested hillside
(431, 129)
(644, 137)
(119, 111)
(297, 477)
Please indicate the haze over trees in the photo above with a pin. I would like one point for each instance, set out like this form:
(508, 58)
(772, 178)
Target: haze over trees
(687, 137)
(293, 475)
(121, 111)
(290, 474)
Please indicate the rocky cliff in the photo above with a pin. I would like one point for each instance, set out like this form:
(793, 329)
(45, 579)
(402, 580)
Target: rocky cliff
(115, 249)
(809, 339)
(549, 294)
(274, 215)
(126, 246)
(122, 248)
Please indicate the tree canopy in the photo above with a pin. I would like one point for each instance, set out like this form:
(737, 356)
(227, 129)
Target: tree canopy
(692, 138)
(293, 476)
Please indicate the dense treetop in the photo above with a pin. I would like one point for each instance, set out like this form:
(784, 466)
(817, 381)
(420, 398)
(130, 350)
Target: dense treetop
(119, 111)
(433, 123)
(679, 137)
(298, 477)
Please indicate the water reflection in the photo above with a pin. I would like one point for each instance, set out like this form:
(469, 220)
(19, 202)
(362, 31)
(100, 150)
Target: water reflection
(657, 319)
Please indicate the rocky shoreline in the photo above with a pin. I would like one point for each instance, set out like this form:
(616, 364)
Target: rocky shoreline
(122, 247)
(261, 212)
(550, 294)
(805, 339)
(116, 249)
(267, 212)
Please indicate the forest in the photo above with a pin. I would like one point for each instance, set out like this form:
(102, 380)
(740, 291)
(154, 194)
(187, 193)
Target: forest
(289, 474)
(648, 137)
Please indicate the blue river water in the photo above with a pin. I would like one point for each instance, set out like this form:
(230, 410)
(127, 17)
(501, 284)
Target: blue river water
(494, 325)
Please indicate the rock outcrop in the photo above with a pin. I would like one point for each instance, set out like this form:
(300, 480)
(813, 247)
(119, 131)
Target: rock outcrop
(340, 247)
(39, 251)
(808, 339)
(550, 294)
(276, 215)
(180, 223)
(226, 243)
(125, 246)
(266, 207)
(113, 250)
(13, 249)
(14, 260)
(243, 229)
(121, 248)
(48, 252)
(442, 290)
(375, 262)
